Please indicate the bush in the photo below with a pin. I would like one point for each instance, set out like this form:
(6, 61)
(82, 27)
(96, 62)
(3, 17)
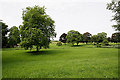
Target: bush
(70, 44)
(105, 43)
(59, 44)
(94, 43)
(98, 45)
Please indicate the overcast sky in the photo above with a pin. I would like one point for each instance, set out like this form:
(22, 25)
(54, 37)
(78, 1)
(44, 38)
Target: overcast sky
(81, 15)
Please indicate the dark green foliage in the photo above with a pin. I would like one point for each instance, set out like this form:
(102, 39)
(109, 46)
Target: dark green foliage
(35, 38)
(4, 33)
(98, 45)
(59, 44)
(115, 7)
(94, 38)
(101, 36)
(109, 39)
(63, 38)
(74, 37)
(105, 42)
(86, 37)
(115, 37)
(37, 28)
(14, 36)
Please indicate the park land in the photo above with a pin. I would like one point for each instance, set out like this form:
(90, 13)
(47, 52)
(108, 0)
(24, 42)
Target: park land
(82, 61)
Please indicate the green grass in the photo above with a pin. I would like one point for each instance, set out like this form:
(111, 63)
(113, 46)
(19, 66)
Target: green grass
(83, 61)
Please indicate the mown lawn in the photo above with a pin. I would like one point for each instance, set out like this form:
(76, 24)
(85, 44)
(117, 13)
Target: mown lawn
(83, 61)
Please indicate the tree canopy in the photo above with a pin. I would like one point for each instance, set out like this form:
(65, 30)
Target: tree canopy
(102, 36)
(37, 28)
(115, 7)
(63, 38)
(115, 37)
(14, 36)
(94, 38)
(4, 31)
(74, 37)
(86, 37)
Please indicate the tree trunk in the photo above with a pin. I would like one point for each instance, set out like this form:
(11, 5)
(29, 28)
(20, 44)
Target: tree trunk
(77, 44)
(37, 49)
(72, 44)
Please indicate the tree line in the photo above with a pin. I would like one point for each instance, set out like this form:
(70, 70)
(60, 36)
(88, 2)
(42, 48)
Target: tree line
(75, 37)
(37, 28)
(12, 39)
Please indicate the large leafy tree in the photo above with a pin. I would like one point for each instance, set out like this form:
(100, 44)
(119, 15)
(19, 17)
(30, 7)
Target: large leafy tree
(74, 37)
(37, 28)
(86, 37)
(14, 36)
(115, 7)
(115, 37)
(4, 31)
(101, 36)
(63, 38)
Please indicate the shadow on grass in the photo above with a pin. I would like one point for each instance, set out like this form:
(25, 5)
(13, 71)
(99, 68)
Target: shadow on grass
(37, 52)
(45, 52)
(77, 45)
(28, 55)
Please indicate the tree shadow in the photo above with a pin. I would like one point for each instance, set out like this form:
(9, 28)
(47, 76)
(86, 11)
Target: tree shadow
(35, 52)
(77, 45)
(45, 52)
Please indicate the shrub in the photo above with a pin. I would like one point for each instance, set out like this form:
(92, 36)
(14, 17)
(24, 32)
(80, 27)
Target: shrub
(70, 44)
(94, 43)
(59, 44)
(105, 42)
(98, 45)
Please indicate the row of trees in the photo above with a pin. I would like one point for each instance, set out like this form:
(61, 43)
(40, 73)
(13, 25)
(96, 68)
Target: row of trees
(12, 38)
(38, 28)
(75, 37)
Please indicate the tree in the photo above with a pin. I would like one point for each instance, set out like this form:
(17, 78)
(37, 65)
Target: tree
(105, 42)
(109, 39)
(94, 38)
(101, 36)
(37, 28)
(63, 38)
(74, 37)
(4, 33)
(79, 37)
(115, 7)
(86, 37)
(115, 37)
(14, 36)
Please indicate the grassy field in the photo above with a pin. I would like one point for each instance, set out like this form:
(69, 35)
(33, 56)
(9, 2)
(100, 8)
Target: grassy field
(83, 61)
